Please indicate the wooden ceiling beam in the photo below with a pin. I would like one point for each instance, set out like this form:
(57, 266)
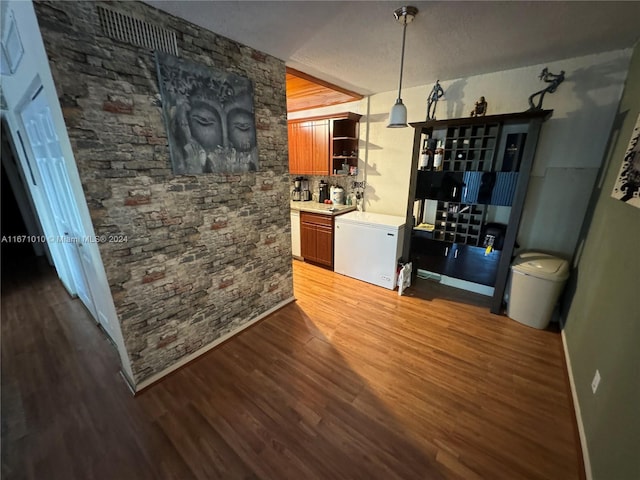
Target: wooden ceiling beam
(306, 91)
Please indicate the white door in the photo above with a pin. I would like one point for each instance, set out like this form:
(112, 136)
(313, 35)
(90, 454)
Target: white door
(45, 145)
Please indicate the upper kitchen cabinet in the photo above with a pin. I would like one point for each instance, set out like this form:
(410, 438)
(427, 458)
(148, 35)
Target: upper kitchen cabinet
(324, 145)
(467, 211)
(309, 147)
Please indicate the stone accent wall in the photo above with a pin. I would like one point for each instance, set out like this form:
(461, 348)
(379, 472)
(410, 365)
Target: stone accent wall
(204, 254)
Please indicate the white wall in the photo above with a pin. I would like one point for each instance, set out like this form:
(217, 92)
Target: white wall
(16, 88)
(570, 151)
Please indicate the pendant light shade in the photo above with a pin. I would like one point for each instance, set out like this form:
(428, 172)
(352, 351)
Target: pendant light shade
(398, 115)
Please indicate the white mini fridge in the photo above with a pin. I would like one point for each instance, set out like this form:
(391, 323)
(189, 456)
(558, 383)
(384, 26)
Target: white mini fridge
(367, 246)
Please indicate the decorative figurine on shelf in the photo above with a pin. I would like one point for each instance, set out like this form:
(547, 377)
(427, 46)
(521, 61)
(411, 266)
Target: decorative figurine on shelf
(553, 80)
(432, 101)
(480, 109)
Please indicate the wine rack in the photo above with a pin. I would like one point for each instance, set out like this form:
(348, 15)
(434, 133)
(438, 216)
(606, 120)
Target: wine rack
(470, 147)
(459, 222)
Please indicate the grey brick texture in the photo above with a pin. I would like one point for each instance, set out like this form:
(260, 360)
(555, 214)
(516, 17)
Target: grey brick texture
(205, 254)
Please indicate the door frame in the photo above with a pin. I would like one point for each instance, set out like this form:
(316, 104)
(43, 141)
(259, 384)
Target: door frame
(11, 163)
(52, 173)
(107, 316)
(18, 88)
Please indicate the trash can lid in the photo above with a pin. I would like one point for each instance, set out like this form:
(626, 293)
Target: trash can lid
(542, 265)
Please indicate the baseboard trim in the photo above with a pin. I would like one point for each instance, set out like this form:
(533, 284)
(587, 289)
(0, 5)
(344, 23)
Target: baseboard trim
(137, 388)
(576, 408)
(127, 382)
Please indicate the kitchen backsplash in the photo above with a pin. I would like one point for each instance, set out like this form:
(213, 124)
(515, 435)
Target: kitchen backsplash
(345, 182)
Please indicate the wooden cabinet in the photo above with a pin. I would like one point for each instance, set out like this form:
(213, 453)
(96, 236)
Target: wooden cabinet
(345, 134)
(315, 147)
(427, 254)
(473, 264)
(316, 238)
(486, 166)
(322, 145)
(309, 147)
(294, 137)
(456, 260)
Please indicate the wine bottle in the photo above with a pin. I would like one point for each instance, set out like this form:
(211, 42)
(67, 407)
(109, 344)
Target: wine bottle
(438, 157)
(426, 156)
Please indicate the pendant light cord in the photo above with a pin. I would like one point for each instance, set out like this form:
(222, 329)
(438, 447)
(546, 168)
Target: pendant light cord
(404, 36)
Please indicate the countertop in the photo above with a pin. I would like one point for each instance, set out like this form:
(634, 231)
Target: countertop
(316, 207)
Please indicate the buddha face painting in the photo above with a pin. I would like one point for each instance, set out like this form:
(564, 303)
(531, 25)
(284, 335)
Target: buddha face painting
(242, 133)
(209, 116)
(205, 125)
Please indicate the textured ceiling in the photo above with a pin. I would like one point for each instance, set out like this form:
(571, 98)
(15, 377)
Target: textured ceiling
(356, 44)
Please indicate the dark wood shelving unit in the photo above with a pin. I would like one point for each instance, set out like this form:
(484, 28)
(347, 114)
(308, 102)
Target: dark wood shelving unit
(487, 161)
(344, 144)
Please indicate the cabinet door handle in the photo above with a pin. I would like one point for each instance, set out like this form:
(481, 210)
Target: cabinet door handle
(455, 189)
(446, 251)
(455, 255)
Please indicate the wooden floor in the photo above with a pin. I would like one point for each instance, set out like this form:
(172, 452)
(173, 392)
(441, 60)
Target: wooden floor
(349, 382)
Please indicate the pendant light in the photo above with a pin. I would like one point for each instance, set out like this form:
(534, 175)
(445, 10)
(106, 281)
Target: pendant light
(398, 115)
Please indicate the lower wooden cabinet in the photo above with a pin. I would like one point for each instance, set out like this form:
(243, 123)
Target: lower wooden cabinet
(455, 260)
(316, 238)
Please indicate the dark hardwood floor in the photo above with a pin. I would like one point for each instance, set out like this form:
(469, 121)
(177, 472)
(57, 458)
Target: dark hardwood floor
(349, 382)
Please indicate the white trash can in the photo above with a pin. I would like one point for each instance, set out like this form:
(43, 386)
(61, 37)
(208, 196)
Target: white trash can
(537, 280)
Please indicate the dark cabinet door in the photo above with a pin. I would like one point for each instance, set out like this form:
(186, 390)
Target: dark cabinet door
(428, 254)
(324, 245)
(446, 186)
(316, 238)
(472, 264)
(308, 248)
(454, 260)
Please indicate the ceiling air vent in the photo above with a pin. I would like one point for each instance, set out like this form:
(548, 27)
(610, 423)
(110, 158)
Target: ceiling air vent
(134, 31)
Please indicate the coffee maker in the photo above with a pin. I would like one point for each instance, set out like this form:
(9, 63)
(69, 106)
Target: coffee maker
(305, 195)
(296, 193)
(323, 191)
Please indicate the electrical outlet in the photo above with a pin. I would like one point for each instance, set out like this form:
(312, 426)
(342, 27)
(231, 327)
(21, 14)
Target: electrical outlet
(596, 381)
